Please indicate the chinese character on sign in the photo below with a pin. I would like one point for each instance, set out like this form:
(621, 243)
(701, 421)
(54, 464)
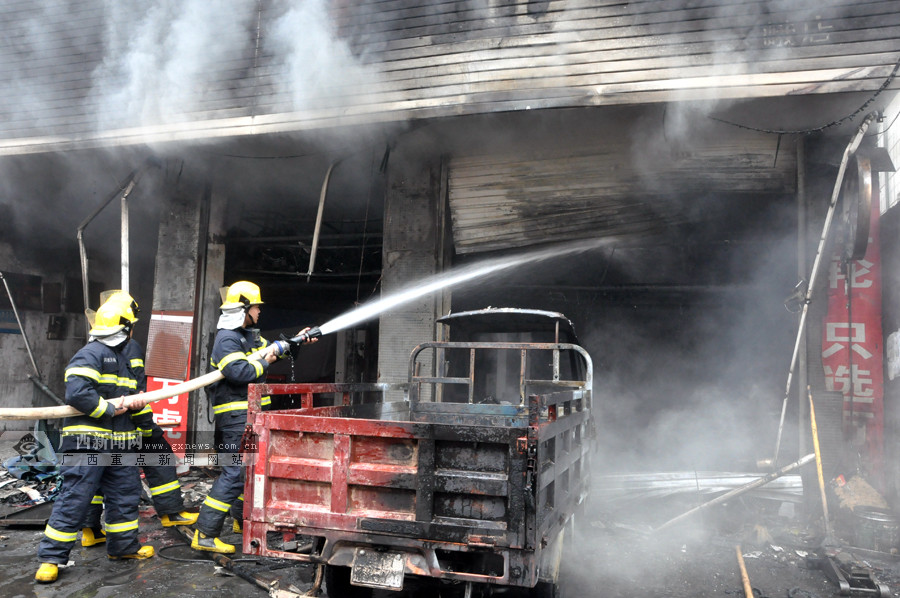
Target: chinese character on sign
(837, 337)
(212, 459)
(840, 381)
(861, 274)
(116, 459)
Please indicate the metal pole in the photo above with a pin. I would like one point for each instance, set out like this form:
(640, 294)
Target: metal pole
(82, 252)
(21, 328)
(125, 241)
(122, 192)
(745, 579)
(829, 538)
(315, 241)
(738, 491)
(802, 259)
(46, 390)
(814, 274)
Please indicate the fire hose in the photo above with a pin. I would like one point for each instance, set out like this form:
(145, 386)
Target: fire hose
(281, 347)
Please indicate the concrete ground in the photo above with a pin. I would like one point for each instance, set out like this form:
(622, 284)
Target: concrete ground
(611, 559)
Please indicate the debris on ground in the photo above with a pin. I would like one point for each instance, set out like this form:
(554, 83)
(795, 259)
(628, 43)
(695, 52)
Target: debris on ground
(857, 492)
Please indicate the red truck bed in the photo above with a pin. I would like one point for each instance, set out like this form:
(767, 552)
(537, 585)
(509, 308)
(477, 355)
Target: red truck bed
(456, 491)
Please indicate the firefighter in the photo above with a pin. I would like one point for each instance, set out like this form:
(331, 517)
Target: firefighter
(160, 469)
(95, 447)
(236, 339)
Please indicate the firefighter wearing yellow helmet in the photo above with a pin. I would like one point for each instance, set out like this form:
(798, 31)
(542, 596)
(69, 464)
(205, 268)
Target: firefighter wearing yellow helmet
(160, 473)
(236, 339)
(97, 374)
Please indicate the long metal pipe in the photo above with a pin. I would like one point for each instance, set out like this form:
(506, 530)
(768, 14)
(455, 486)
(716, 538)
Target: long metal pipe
(816, 267)
(122, 192)
(21, 328)
(46, 390)
(315, 241)
(802, 259)
(126, 243)
(738, 491)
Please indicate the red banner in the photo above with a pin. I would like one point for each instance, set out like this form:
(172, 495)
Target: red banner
(852, 348)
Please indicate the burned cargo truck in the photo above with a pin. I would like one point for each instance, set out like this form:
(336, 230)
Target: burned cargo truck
(475, 478)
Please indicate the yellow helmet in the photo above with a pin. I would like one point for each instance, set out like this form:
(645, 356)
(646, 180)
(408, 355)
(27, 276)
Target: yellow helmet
(239, 294)
(120, 295)
(110, 318)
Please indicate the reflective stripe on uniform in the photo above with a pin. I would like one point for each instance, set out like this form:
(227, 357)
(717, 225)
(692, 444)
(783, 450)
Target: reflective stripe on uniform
(115, 380)
(241, 497)
(86, 372)
(233, 406)
(97, 500)
(143, 411)
(231, 357)
(216, 504)
(228, 359)
(266, 400)
(146, 432)
(118, 528)
(137, 363)
(102, 404)
(55, 534)
(163, 488)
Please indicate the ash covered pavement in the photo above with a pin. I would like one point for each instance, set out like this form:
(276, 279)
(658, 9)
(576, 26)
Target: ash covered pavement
(176, 570)
(615, 552)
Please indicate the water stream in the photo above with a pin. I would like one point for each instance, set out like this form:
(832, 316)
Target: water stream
(456, 277)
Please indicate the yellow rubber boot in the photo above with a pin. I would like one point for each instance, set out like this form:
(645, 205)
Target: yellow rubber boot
(47, 573)
(204, 542)
(182, 518)
(92, 537)
(145, 552)
(236, 527)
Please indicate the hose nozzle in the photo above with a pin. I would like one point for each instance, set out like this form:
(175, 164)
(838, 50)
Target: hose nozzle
(285, 344)
(306, 336)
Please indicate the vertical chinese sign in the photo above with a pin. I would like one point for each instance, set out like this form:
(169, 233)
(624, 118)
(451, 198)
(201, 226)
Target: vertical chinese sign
(168, 363)
(852, 347)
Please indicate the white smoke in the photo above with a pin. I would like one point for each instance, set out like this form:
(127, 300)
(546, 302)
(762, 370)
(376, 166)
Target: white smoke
(160, 57)
(172, 61)
(318, 65)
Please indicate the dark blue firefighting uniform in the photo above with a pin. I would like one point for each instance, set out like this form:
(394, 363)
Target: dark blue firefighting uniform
(162, 478)
(229, 402)
(91, 445)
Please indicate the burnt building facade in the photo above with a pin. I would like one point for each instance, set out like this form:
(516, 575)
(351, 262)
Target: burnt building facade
(337, 152)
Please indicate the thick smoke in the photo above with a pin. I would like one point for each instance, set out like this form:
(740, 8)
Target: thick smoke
(318, 64)
(168, 61)
(159, 57)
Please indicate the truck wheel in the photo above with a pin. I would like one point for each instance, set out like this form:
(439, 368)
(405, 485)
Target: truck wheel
(546, 589)
(337, 584)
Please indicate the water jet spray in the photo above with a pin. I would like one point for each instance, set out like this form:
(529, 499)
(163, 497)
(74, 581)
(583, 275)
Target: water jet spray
(362, 313)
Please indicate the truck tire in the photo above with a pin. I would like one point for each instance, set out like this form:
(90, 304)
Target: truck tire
(337, 584)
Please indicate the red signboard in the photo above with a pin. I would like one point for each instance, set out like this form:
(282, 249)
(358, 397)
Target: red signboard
(168, 364)
(852, 348)
(171, 414)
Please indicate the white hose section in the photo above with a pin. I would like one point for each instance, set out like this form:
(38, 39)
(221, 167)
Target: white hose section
(62, 411)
